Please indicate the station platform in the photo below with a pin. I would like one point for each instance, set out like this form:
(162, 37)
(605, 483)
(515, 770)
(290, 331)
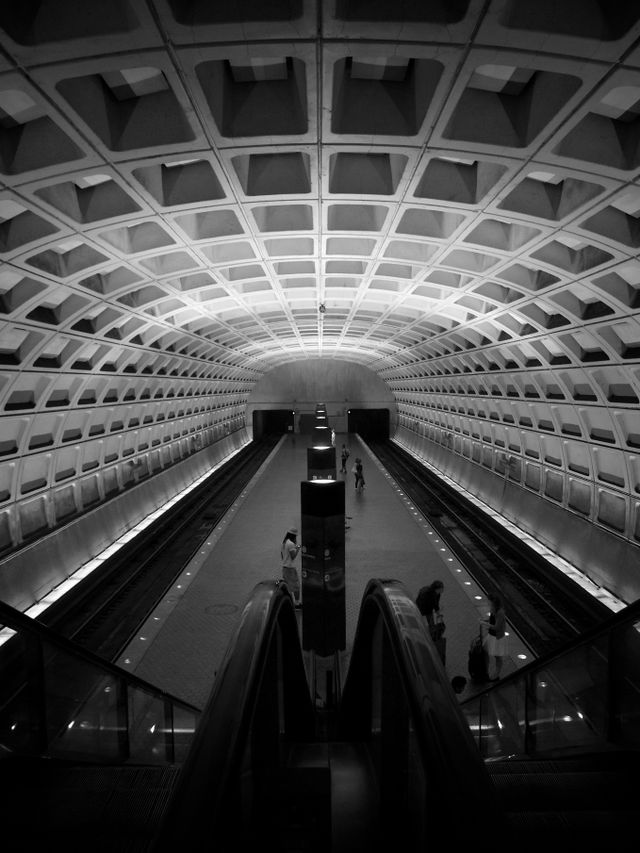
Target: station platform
(182, 645)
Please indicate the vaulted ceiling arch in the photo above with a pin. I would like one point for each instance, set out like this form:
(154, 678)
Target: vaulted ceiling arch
(192, 195)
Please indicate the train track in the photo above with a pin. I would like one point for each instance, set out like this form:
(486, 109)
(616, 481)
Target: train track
(105, 611)
(546, 608)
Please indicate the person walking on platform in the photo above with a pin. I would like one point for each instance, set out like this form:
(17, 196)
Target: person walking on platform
(344, 455)
(495, 643)
(289, 550)
(359, 474)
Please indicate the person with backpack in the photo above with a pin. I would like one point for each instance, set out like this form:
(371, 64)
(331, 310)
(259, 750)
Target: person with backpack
(289, 550)
(359, 474)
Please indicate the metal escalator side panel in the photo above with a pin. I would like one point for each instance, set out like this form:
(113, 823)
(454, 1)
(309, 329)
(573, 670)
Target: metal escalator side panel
(259, 703)
(398, 699)
(59, 700)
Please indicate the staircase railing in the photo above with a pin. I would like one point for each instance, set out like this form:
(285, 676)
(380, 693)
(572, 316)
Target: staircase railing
(398, 698)
(398, 705)
(58, 700)
(259, 704)
(584, 697)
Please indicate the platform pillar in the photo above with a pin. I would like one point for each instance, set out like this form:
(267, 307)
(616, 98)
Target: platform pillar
(323, 570)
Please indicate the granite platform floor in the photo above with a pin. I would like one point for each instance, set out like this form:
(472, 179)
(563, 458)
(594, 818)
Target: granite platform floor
(184, 641)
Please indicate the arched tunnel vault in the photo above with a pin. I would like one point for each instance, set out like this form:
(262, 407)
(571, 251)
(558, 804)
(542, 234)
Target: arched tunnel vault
(339, 385)
(193, 195)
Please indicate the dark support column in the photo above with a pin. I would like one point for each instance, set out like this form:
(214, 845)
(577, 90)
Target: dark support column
(323, 578)
(321, 463)
(321, 436)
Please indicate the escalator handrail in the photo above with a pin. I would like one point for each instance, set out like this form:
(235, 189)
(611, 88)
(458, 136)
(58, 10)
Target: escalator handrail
(460, 787)
(17, 621)
(198, 802)
(629, 613)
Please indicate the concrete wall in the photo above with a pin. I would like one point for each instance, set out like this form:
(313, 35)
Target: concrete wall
(340, 385)
(609, 560)
(28, 575)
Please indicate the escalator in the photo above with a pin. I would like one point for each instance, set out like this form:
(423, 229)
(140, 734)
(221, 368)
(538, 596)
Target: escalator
(561, 741)
(385, 769)
(547, 759)
(89, 754)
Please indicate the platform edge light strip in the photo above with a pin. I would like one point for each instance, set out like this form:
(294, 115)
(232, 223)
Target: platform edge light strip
(567, 568)
(86, 568)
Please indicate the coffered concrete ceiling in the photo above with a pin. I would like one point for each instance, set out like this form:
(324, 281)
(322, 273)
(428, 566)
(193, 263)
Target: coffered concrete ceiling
(192, 193)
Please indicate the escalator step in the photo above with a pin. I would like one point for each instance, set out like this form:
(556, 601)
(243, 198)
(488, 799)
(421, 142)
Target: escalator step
(121, 805)
(576, 821)
(565, 791)
(295, 809)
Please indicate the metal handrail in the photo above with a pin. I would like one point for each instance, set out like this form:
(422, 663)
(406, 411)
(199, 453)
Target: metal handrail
(628, 613)
(19, 622)
(523, 711)
(396, 681)
(260, 697)
(261, 703)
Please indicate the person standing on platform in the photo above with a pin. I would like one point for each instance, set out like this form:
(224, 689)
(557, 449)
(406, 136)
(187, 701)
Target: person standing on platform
(344, 455)
(289, 550)
(495, 643)
(333, 438)
(428, 603)
(359, 474)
